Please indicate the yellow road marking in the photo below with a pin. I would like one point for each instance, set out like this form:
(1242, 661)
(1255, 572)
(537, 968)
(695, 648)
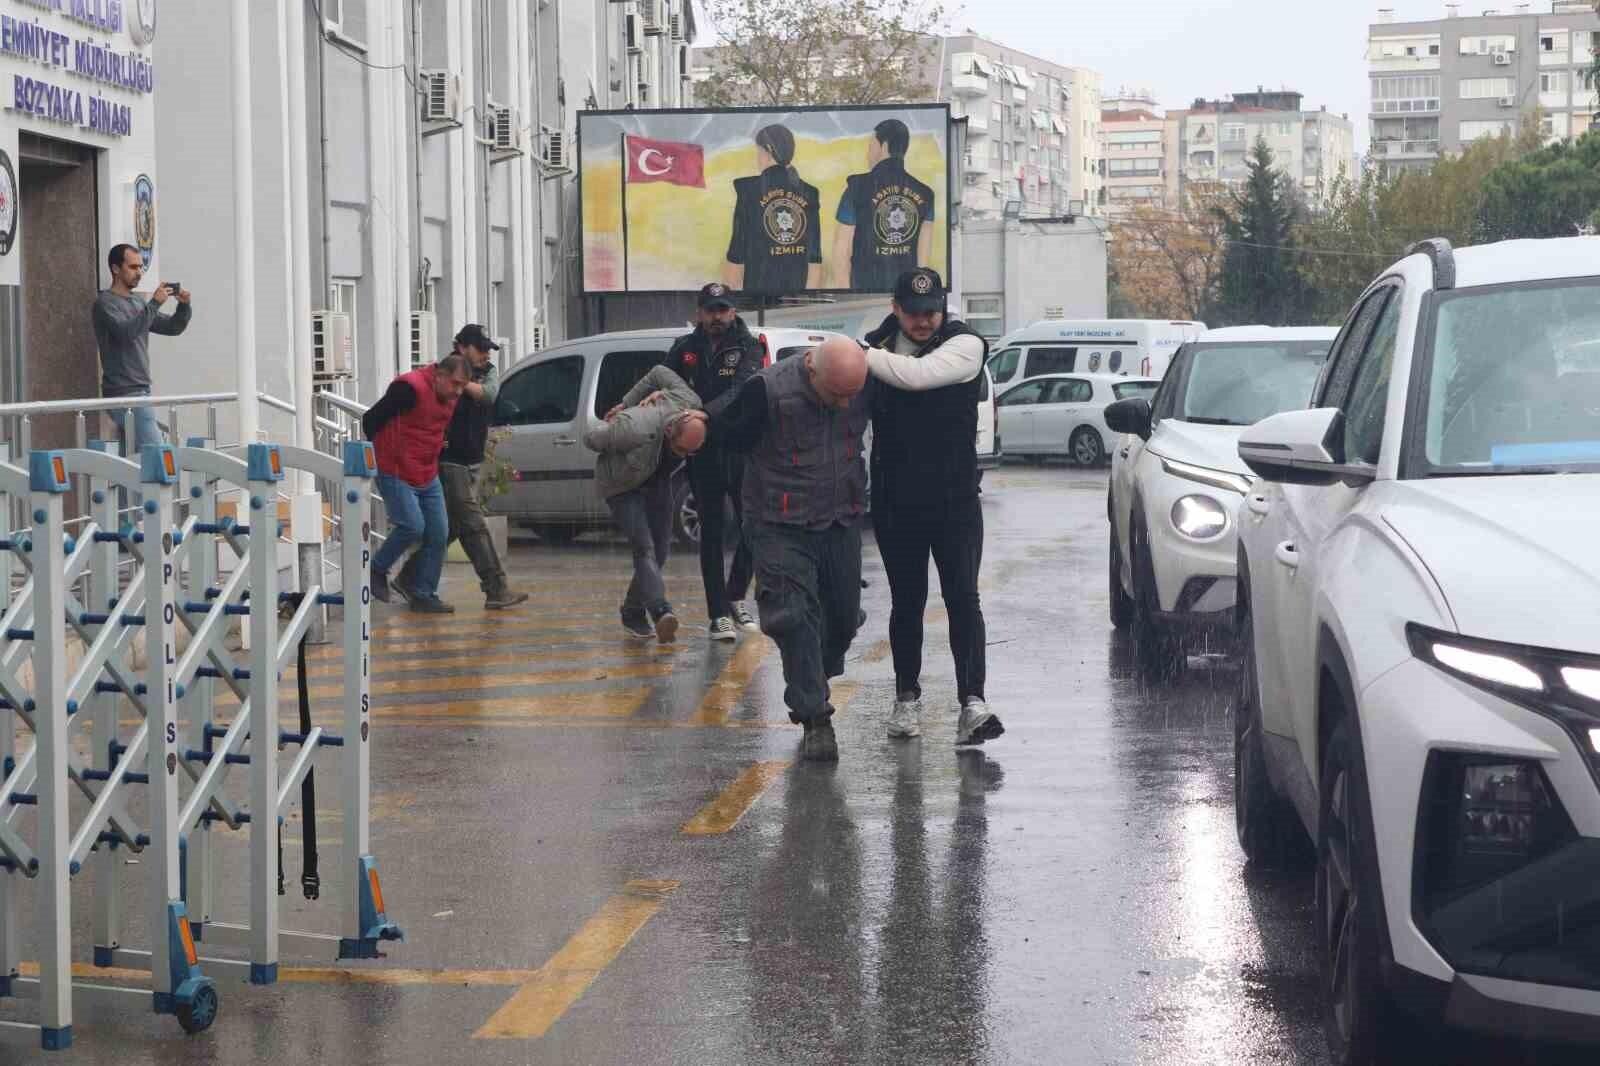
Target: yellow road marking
(615, 704)
(476, 682)
(641, 651)
(562, 981)
(725, 692)
(325, 975)
(724, 812)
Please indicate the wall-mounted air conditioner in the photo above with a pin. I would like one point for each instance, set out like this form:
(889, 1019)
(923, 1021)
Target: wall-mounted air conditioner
(650, 15)
(631, 32)
(1502, 59)
(540, 337)
(677, 29)
(424, 339)
(503, 128)
(333, 355)
(1508, 101)
(553, 149)
(441, 95)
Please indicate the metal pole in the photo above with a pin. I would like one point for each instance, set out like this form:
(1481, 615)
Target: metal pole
(10, 885)
(199, 700)
(294, 74)
(103, 588)
(161, 718)
(263, 625)
(384, 219)
(244, 239)
(355, 513)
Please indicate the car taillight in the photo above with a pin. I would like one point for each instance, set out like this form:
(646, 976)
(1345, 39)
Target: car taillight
(766, 351)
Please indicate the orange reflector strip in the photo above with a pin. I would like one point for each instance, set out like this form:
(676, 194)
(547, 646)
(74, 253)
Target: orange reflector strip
(171, 464)
(377, 892)
(60, 468)
(188, 941)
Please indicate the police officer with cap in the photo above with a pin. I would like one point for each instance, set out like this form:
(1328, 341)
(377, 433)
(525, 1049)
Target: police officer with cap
(928, 369)
(777, 223)
(885, 216)
(718, 357)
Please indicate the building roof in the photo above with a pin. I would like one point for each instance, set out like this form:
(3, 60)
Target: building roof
(1129, 116)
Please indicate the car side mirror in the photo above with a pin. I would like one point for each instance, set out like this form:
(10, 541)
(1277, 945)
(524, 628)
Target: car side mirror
(1300, 448)
(1129, 416)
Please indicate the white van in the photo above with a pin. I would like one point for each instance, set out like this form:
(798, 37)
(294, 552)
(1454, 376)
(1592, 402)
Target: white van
(1137, 347)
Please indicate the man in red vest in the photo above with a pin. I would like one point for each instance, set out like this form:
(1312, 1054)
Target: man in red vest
(407, 429)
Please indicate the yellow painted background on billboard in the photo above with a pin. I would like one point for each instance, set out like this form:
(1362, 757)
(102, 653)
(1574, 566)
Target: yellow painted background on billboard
(678, 237)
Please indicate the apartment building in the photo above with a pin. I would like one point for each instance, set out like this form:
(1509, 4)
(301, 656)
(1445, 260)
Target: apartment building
(1313, 148)
(1439, 85)
(1134, 142)
(1033, 130)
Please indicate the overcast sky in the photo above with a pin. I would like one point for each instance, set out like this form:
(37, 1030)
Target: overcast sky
(1182, 49)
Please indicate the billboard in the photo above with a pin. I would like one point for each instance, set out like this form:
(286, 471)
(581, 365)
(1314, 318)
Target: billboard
(770, 203)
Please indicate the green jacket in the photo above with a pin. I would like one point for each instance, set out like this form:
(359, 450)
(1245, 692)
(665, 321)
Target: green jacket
(630, 444)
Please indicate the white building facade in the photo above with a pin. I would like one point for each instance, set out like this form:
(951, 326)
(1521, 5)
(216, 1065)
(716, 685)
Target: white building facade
(1314, 148)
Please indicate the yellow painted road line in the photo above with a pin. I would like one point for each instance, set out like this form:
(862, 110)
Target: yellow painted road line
(562, 981)
(725, 692)
(564, 614)
(615, 704)
(724, 812)
(467, 659)
(480, 682)
(330, 975)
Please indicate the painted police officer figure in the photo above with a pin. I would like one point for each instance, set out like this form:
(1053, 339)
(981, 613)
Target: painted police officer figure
(885, 217)
(777, 223)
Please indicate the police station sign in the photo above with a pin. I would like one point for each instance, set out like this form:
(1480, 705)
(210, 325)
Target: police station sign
(76, 73)
(769, 203)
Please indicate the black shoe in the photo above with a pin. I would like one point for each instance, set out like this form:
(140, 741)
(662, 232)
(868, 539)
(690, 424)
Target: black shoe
(638, 628)
(819, 744)
(433, 605)
(380, 587)
(401, 583)
(503, 598)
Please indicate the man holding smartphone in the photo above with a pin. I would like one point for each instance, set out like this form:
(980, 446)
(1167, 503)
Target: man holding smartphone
(123, 322)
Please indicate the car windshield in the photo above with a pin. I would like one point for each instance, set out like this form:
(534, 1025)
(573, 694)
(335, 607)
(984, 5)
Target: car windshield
(1513, 385)
(1127, 390)
(1240, 383)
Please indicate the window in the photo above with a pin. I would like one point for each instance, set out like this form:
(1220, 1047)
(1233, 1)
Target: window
(1003, 367)
(1133, 167)
(984, 315)
(1069, 390)
(1334, 380)
(1482, 46)
(1408, 92)
(1051, 360)
(1554, 81)
(1552, 43)
(1369, 392)
(544, 394)
(1233, 133)
(1487, 88)
(619, 372)
(1433, 49)
(1022, 394)
(1472, 131)
(1127, 390)
(342, 294)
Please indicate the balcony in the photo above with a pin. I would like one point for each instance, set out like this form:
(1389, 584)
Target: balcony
(973, 84)
(976, 163)
(1405, 149)
(978, 124)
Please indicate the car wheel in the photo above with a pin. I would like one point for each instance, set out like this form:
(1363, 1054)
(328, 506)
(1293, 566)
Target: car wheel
(1086, 447)
(1121, 602)
(1268, 828)
(1360, 1019)
(1158, 647)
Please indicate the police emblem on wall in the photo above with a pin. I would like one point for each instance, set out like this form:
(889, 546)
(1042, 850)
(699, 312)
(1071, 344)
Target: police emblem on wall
(897, 220)
(144, 215)
(9, 208)
(785, 220)
(142, 26)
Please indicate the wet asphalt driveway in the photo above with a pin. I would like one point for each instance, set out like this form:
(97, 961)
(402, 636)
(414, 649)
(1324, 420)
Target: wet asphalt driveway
(605, 854)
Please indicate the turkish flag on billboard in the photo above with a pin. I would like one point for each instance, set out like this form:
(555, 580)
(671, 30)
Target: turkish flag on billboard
(670, 161)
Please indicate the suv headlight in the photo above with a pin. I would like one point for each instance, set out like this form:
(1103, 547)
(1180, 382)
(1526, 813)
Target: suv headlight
(1561, 686)
(1226, 480)
(1199, 517)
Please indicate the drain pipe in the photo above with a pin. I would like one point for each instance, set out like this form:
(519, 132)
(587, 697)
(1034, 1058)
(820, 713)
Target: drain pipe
(327, 195)
(420, 277)
(300, 246)
(244, 228)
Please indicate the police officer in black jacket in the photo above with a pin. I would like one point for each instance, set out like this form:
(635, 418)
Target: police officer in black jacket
(719, 356)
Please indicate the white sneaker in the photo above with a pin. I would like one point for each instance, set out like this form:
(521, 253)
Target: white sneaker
(977, 724)
(905, 721)
(744, 619)
(722, 629)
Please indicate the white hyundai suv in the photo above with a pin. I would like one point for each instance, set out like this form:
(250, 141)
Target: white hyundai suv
(1177, 480)
(1420, 690)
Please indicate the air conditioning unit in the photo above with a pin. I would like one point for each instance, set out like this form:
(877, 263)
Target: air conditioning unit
(333, 355)
(677, 30)
(441, 95)
(540, 338)
(424, 339)
(650, 14)
(635, 39)
(1502, 59)
(553, 148)
(503, 128)
(1508, 101)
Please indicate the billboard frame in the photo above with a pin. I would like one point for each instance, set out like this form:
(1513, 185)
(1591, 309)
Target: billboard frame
(761, 300)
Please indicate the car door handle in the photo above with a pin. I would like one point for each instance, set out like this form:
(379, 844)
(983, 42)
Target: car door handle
(566, 442)
(1287, 556)
(1258, 505)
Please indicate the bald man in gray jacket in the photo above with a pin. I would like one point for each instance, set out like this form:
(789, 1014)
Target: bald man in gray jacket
(642, 443)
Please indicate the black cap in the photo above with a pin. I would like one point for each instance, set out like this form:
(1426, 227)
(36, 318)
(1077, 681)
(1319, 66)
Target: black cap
(714, 297)
(473, 335)
(920, 291)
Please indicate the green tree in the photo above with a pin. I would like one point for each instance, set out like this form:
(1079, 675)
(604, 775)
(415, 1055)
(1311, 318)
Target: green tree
(1260, 280)
(1554, 192)
(822, 52)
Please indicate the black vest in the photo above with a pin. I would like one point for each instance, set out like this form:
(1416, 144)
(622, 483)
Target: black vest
(777, 231)
(925, 444)
(890, 207)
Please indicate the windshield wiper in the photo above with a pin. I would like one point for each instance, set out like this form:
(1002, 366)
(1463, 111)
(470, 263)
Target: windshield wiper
(1199, 421)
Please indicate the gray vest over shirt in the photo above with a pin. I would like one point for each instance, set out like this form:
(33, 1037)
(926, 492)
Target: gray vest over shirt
(808, 470)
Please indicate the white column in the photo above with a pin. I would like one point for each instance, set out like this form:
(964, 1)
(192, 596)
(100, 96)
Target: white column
(459, 180)
(244, 229)
(300, 222)
(386, 213)
(403, 104)
(516, 186)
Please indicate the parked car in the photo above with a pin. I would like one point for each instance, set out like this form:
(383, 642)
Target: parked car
(989, 453)
(1177, 479)
(1141, 347)
(1064, 414)
(1420, 691)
